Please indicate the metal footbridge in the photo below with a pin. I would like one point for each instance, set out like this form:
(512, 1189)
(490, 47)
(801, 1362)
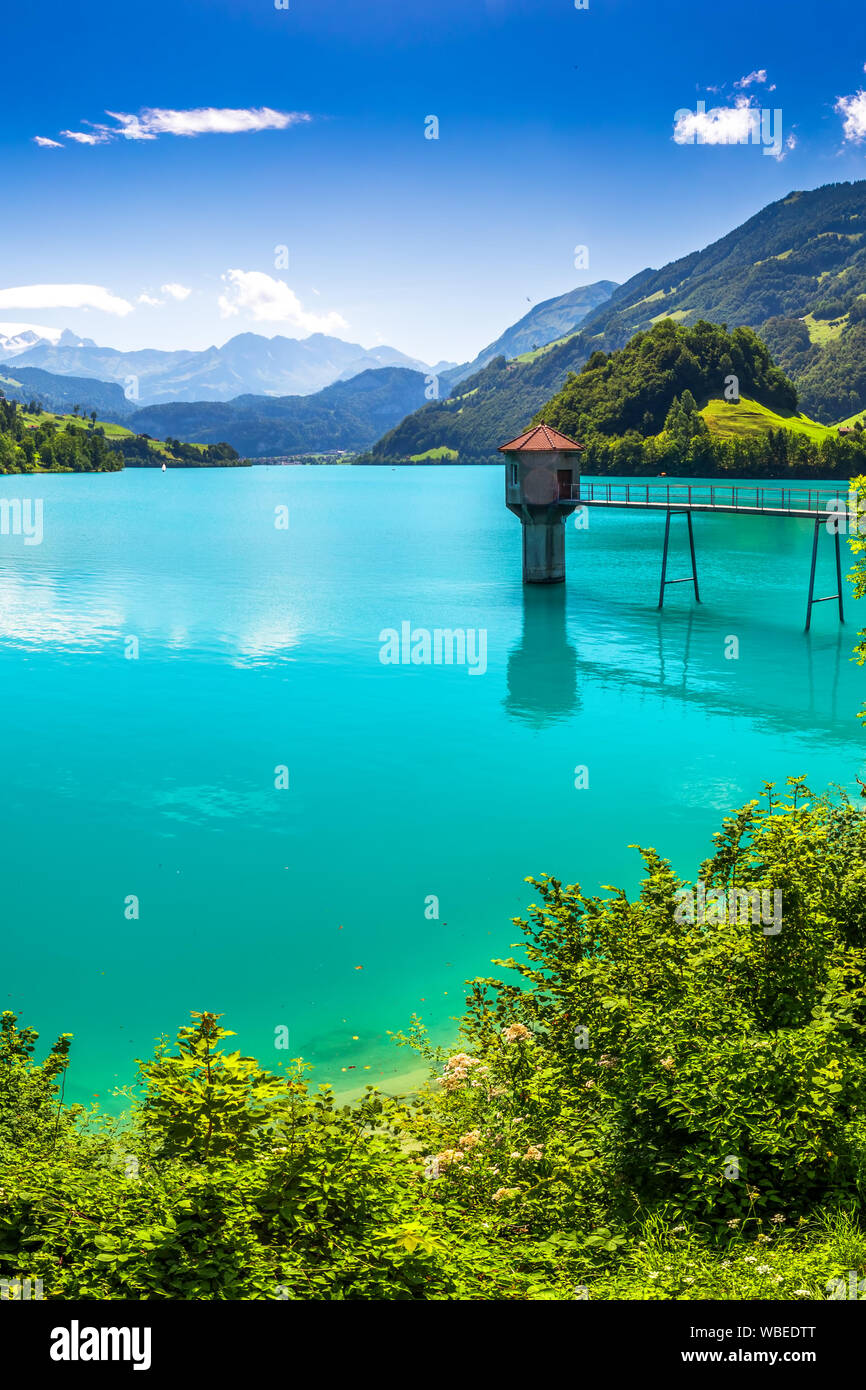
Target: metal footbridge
(820, 505)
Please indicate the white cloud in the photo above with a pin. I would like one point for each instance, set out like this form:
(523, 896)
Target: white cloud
(206, 120)
(760, 75)
(740, 124)
(722, 125)
(131, 127)
(173, 290)
(47, 144)
(81, 137)
(64, 297)
(152, 122)
(853, 112)
(267, 300)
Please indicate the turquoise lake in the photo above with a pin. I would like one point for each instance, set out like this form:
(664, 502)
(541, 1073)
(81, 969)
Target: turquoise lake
(259, 648)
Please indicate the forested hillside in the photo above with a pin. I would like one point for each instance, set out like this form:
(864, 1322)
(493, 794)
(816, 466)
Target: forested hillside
(492, 405)
(346, 415)
(633, 388)
(795, 272)
(692, 401)
(30, 447)
(35, 440)
(64, 393)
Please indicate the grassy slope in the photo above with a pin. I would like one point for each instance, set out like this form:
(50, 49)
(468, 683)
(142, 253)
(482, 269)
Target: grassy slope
(748, 417)
(443, 452)
(823, 331)
(534, 355)
(112, 431)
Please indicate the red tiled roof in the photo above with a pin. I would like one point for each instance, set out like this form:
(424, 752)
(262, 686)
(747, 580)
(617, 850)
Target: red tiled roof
(540, 438)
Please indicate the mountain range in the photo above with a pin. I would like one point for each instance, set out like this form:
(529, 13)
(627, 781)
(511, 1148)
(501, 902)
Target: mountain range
(345, 415)
(359, 402)
(247, 363)
(250, 364)
(795, 272)
(16, 338)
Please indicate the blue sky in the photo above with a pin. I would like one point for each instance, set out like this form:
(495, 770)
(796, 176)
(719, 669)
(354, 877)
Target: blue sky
(556, 129)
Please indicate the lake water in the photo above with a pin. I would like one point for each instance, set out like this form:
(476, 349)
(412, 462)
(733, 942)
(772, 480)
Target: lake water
(259, 648)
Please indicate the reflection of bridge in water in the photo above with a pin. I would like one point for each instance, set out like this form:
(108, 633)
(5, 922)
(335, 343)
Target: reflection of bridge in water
(823, 504)
(563, 648)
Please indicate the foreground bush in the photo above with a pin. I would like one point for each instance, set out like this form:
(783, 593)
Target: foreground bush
(667, 1100)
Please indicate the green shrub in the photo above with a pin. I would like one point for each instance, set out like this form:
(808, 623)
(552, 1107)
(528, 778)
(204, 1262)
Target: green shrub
(664, 1101)
(640, 1062)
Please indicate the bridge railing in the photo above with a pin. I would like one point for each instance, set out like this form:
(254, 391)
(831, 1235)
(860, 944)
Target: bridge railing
(752, 497)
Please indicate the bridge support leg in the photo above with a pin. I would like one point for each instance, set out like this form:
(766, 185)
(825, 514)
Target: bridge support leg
(692, 549)
(665, 560)
(693, 577)
(829, 598)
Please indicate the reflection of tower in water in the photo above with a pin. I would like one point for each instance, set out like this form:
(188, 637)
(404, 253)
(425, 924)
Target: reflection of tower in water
(542, 670)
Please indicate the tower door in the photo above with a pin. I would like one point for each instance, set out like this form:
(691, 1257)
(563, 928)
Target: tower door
(563, 483)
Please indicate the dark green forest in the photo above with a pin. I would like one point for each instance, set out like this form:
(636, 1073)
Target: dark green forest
(831, 378)
(635, 409)
(634, 387)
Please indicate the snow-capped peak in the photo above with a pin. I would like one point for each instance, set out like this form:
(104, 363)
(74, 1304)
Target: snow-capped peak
(18, 337)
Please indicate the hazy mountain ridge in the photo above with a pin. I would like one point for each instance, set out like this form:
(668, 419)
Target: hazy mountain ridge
(251, 364)
(61, 393)
(345, 415)
(543, 324)
(247, 363)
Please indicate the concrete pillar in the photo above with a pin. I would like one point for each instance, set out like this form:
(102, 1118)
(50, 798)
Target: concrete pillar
(543, 547)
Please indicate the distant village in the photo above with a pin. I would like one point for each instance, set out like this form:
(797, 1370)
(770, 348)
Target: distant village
(321, 456)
